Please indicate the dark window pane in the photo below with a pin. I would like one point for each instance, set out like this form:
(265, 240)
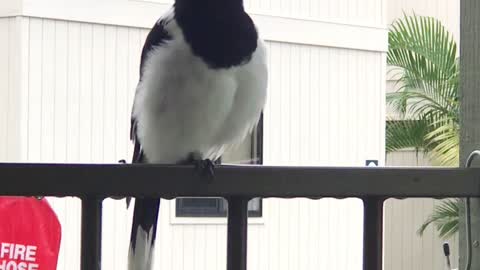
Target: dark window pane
(212, 207)
(198, 202)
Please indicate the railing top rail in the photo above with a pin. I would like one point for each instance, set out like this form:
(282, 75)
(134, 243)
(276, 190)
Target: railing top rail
(232, 180)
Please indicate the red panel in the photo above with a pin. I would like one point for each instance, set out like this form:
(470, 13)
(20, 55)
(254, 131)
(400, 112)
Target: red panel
(30, 234)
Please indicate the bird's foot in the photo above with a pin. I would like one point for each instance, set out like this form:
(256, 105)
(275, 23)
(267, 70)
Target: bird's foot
(206, 168)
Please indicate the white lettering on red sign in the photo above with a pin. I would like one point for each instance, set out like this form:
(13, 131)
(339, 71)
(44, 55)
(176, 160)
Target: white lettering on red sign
(18, 257)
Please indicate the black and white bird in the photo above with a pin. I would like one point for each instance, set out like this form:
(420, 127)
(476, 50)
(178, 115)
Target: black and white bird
(202, 89)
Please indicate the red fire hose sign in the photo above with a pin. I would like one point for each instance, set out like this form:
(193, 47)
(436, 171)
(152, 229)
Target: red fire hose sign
(30, 234)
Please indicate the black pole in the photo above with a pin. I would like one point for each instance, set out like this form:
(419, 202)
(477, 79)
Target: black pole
(373, 233)
(237, 233)
(91, 233)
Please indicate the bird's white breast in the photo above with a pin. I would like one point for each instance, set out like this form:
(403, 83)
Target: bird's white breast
(183, 106)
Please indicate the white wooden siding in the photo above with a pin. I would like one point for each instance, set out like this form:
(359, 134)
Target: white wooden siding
(407, 158)
(144, 12)
(368, 12)
(329, 96)
(448, 11)
(404, 249)
(10, 82)
(337, 34)
(6, 35)
(10, 7)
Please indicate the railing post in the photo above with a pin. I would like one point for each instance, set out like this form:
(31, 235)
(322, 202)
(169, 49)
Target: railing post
(91, 233)
(373, 233)
(237, 233)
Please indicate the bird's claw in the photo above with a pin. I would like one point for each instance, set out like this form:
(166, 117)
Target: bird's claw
(206, 168)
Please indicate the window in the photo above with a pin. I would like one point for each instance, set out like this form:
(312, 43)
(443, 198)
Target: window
(212, 207)
(250, 151)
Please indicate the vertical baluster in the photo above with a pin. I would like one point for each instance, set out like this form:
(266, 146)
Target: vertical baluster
(237, 233)
(91, 233)
(373, 233)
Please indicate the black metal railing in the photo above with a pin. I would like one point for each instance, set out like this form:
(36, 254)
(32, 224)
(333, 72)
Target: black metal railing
(238, 184)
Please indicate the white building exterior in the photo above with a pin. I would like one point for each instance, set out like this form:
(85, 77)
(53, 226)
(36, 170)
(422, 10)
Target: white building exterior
(68, 70)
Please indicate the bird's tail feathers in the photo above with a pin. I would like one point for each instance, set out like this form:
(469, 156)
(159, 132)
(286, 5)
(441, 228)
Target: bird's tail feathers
(144, 230)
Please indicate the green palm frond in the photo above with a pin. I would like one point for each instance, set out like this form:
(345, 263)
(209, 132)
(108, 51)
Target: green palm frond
(424, 55)
(424, 50)
(445, 218)
(445, 142)
(406, 134)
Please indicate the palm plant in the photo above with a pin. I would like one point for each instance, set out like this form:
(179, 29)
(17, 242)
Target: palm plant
(445, 217)
(423, 55)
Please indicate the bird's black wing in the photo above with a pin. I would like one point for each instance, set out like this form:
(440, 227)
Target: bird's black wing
(145, 213)
(157, 37)
(138, 156)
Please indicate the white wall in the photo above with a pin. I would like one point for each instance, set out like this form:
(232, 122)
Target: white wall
(367, 12)
(448, 11)
(139, 12)
(10, 8)
(404, 248)
(325, 107)
(332, 99)
(10, 83)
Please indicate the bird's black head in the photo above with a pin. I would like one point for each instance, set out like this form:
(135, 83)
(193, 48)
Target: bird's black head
(218, 31)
